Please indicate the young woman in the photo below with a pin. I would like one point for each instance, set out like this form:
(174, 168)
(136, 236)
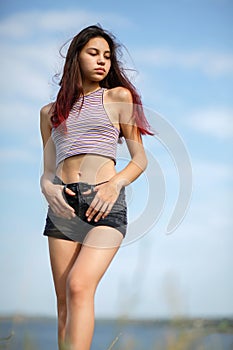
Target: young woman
(87, 216)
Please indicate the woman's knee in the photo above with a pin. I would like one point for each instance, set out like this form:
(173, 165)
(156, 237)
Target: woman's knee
(78, 288)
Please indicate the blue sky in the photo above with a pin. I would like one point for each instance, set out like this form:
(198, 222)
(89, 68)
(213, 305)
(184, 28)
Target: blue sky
(184, 61)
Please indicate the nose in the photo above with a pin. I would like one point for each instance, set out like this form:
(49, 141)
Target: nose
(101, 59)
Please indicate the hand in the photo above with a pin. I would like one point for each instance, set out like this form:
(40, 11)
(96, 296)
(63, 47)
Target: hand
(103, 202)
(54, 196)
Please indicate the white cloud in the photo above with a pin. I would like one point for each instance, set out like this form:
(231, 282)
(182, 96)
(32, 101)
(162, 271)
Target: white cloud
(25, 70)
(216, 122)
(220, 172)
(210, 63)
(28, 65)
(24, 24)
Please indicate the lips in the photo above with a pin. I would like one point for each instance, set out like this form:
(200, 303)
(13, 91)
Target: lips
(100, 70)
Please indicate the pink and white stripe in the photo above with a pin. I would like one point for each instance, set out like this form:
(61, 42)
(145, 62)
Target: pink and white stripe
(88, 131)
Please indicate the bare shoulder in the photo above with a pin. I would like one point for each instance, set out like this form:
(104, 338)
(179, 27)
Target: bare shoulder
(47, 110)
(46, 113)
(120, 94)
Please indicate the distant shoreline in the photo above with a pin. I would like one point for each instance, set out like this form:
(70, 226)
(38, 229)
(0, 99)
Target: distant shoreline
(221, 323)
(39, 332)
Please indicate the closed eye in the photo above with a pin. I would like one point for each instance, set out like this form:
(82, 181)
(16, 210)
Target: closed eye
(95, 52)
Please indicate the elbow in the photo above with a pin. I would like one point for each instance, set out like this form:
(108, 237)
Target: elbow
(144, 163)
(141, 162)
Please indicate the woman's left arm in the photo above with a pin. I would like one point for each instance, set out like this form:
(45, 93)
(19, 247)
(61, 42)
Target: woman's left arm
(108, 193)
(130, 131)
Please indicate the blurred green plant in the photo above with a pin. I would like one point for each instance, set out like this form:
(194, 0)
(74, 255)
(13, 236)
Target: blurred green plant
(4, 341)
(182, 334)
(28, 343)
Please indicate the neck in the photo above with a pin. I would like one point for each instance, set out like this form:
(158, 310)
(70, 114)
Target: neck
(88, 88)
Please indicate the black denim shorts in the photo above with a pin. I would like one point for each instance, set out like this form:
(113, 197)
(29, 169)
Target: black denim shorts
(77, 228)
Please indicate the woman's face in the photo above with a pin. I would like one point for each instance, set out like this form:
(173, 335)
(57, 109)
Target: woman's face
(94, 60)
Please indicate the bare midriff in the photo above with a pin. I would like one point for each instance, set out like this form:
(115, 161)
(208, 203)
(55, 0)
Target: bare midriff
(88, 168)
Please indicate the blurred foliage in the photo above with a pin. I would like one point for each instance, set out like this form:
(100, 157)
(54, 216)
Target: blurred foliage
(181, 334)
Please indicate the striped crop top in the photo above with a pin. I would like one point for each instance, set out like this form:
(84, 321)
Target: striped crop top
(89, 130)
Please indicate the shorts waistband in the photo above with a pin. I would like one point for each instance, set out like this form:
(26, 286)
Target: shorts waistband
(58, 180)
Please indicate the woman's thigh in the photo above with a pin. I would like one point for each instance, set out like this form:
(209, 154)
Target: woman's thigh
(63, 254)
(98, 250)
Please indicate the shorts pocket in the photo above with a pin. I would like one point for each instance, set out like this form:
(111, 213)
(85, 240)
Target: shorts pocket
(72, 200)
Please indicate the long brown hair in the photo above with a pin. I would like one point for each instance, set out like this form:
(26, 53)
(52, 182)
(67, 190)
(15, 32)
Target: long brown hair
(71, 83)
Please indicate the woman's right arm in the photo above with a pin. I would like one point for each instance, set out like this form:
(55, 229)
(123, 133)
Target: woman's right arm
(53, 193)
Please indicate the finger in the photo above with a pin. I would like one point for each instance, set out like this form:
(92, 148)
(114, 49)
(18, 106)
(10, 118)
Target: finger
(92, 211)
(62, 203)
(69, 191)
(92, 214)
(64, 213)
(96, 188)
(68, 212)
(93, 205)
(87, 192)
(107, 211)
(61, 208)
(101, 212)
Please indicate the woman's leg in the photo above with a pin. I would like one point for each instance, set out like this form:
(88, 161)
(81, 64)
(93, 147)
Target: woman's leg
(88, 269)
(62, 256)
